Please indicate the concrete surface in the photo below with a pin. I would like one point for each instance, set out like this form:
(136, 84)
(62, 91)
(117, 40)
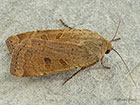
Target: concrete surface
(94, 86)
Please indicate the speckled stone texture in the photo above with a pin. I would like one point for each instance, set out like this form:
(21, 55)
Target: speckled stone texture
(95, 85)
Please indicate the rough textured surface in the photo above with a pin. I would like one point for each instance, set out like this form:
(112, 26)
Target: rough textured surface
(92, 86)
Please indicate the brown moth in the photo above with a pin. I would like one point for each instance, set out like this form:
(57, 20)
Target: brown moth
(45, 52)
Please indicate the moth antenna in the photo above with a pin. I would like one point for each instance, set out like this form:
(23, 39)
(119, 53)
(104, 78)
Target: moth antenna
(113, 39)
(127, 69)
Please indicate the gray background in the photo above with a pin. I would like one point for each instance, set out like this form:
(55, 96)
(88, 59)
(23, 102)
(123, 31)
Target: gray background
(95, 85)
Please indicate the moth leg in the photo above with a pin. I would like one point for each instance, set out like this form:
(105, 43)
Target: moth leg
(103, 64)
(78, 72)
(65, 24)
(73, 75)
(116, 39)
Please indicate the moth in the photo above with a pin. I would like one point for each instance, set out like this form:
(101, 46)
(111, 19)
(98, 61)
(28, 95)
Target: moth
(43, 52)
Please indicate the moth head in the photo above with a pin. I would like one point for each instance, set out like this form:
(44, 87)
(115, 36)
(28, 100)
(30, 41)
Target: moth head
(109, 47)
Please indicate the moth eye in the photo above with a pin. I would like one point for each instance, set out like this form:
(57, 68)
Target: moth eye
(107, 52)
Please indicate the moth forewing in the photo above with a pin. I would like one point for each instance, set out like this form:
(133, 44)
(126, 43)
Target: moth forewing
(63, 35)
(35, 57)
